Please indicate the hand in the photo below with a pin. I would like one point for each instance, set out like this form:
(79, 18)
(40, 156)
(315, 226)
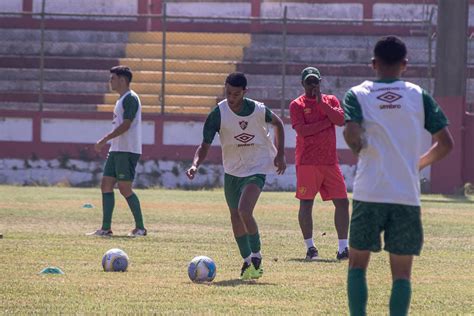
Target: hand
(317, 93)
(280, 163)
(191, 172)
(99, 145)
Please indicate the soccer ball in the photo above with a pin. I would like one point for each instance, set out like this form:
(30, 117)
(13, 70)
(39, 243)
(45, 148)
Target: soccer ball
(202, 269)
(115, 260)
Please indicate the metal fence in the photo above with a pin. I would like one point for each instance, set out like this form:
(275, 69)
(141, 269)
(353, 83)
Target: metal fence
(179, 70)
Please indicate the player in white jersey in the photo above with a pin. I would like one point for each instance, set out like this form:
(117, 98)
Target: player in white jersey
(124, 153)
(385, 120)
(248, 154)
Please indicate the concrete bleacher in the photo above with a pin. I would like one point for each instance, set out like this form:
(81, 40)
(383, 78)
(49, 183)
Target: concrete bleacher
(77, 62)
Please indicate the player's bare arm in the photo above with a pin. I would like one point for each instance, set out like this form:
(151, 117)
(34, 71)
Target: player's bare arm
(280, 160)
(199, 157)
(443, 144)
(122, 128)
(353, 134)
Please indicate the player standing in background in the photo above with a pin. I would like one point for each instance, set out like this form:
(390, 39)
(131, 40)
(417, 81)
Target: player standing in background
(248, 154)
(124, 152)
(314, 116)
(385, 122)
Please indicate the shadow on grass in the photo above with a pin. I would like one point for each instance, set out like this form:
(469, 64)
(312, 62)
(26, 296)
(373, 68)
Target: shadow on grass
(238, 282)
(320, 260)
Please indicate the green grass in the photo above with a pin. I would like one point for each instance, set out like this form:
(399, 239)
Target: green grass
(46, 226)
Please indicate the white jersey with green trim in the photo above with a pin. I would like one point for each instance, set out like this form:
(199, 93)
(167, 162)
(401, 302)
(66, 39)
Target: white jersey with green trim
(131, 140)
(247, 148)
(393, 122)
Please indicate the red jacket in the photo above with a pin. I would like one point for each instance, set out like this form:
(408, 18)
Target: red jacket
(314, 124)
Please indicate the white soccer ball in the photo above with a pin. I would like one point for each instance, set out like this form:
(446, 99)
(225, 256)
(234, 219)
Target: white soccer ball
(115, 260)
(202, 269)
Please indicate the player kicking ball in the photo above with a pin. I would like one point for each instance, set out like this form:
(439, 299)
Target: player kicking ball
(248, 154)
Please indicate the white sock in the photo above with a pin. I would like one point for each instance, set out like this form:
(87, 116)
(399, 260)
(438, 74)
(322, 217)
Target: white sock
(256, 254)
(309, 242)
(342, 245)
(248, 259)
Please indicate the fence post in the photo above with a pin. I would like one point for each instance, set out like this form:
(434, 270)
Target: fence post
(41, 70)
(283, 64)
(430, 48)
(163, 58)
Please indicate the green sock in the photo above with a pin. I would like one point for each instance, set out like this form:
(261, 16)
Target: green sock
(108, 203)
(254, 241)
(357, 292)
(244, 246)
(400, 298)
(134, 205)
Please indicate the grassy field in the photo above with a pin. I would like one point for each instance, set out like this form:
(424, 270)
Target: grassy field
(45, 227)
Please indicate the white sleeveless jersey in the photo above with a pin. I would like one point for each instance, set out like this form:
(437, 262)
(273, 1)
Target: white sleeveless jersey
(131, 140)
(394, 118)
(247, 148)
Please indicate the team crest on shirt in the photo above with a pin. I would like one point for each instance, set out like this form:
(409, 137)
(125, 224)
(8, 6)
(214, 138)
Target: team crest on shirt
(307, 110)
(302, 190)
(243, 124)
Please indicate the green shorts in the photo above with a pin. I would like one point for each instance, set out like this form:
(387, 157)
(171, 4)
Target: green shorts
(401, 224)
(233, 187)
(121, 165)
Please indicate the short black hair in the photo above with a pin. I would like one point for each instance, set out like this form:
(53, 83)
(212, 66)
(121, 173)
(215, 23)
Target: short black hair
(122, 71)
(237, 79)
(390, 50)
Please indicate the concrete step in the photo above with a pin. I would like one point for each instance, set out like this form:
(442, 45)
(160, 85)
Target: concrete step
(180, 77)
(157, 109)
(201, 52)
(54, 86)
(33, 35)
(70, 49)
(191, 38)
(170, 100)
(34, 106)
(179, 65)
(89, 75)
(179, 89)
(323, 55)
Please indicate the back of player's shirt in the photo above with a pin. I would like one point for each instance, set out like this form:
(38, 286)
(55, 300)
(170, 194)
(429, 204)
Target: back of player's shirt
(394, 115)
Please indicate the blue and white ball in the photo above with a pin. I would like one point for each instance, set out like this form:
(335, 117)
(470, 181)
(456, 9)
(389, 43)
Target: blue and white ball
(115, 260)
(202, 269)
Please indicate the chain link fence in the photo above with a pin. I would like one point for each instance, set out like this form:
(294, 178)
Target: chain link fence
(179, 70)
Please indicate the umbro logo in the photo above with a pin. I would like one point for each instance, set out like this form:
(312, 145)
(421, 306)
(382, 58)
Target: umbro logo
(244, 137)
(389, 97)
(243, 124)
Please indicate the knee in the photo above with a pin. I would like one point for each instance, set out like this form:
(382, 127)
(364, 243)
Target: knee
(125, 191)
(244, 214)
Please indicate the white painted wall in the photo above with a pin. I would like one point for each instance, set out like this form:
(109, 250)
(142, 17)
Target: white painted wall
(313, 10)
(11, 5)
(190, 133)
(86, 131)
(87, 6)
(406, 12)
(213, 9)
(16, 129)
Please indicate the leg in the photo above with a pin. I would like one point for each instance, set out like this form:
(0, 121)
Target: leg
(357, 291)
(125, 188)
(341, 217)
(108, 201)
(305, 218)
(401, 288)
(248, 200)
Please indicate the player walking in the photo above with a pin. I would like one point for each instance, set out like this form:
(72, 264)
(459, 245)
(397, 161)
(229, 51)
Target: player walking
(124, 153)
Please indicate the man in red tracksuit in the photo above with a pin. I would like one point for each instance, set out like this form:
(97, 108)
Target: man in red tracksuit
(313, 117)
